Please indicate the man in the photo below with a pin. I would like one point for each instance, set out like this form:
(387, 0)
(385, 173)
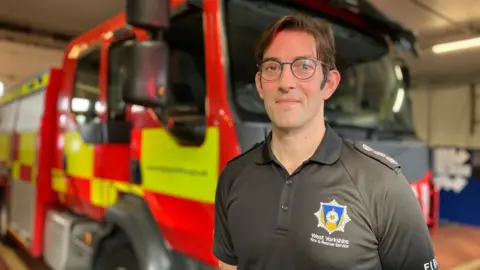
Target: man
(304, 198)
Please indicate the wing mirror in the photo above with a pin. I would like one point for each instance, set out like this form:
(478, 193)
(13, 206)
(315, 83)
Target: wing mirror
(145, 63)
(144, 67)
(150, 15)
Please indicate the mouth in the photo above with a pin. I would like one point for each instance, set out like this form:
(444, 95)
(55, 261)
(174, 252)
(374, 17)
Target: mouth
(287, 101)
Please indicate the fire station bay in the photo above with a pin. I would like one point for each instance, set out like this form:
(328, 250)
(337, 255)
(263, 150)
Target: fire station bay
(239, 134)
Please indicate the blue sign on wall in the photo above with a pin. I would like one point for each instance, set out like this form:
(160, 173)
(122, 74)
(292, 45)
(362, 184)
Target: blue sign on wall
(457, 176)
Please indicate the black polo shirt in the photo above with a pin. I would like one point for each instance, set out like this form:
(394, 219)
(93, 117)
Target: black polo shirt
(347, 207)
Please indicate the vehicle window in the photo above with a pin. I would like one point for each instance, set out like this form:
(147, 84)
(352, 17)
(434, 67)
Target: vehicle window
(368, 96)
(86, 91)
(187, 110)
(187, 65)
(116, 107)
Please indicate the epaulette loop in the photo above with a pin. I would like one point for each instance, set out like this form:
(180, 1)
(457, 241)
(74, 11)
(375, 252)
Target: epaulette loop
(377, 155)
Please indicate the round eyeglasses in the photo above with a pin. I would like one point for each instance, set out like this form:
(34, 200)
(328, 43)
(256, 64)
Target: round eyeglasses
(302, 68)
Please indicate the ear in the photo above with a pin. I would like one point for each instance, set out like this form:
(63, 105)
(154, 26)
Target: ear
(258, 83)
(332, 83)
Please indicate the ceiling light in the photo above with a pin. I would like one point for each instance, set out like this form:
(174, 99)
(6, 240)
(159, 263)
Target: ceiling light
(457, 45)
(2, 86)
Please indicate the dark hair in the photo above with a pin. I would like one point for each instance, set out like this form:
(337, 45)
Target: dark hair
(320, 29)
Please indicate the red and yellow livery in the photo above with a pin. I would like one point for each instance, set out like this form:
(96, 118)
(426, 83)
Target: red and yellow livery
(110, 164)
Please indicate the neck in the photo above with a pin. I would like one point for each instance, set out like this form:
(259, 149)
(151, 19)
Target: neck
(293, 147)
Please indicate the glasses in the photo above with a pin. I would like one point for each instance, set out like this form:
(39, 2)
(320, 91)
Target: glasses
(302, 68)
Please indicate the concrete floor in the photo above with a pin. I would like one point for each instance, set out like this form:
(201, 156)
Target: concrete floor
(456, 248)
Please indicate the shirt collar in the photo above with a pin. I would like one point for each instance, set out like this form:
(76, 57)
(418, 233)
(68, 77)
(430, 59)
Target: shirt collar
(328, 152)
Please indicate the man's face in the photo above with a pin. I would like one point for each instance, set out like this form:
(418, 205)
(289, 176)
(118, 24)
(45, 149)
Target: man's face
(291, 102)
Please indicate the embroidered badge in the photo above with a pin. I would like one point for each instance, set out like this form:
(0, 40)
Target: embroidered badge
(332, 216)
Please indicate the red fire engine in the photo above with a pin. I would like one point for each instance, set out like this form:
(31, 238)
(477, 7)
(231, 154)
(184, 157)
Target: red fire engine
(113, 158)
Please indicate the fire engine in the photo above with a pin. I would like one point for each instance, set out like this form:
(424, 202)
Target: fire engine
(112, 159)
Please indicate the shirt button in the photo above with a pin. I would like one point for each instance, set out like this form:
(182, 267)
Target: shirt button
(288, 182)
(284, 207)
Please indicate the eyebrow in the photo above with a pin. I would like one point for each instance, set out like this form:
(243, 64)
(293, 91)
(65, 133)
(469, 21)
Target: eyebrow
(278, 60)
(270, 59)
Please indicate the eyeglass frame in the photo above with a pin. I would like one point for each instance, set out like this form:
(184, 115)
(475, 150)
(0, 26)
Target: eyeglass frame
(316, 61)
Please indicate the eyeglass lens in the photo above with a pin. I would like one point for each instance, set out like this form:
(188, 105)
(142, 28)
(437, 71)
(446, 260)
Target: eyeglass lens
(301, 68)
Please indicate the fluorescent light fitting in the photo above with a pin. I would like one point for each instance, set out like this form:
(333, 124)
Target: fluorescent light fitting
(457, 45)
(397, 105)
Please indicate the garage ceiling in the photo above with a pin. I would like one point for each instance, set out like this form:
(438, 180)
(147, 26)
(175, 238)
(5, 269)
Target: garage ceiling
(69, 18)
(439, 21)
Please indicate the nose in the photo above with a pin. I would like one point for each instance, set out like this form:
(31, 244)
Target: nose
(287, 80)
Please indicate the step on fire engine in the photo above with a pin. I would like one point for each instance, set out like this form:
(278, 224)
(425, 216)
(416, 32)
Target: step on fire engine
(112, 159)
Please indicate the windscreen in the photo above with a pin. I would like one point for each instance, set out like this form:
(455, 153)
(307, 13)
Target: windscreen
(370, 94)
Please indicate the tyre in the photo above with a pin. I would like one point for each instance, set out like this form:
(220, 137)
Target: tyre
(116, 253)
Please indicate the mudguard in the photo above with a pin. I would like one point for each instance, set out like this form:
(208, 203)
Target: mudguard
(132, 215)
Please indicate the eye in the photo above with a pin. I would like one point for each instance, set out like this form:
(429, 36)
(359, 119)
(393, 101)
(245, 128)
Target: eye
(270, 67)
(306, 64)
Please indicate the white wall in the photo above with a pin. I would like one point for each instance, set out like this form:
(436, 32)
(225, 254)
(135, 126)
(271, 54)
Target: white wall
(8, 113)
(442, 114)
(31, 112)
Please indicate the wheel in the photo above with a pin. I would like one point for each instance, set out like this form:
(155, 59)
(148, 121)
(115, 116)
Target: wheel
(116, 253)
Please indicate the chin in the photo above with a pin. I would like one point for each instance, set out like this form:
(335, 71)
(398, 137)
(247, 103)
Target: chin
(286, 121)
(288, 125)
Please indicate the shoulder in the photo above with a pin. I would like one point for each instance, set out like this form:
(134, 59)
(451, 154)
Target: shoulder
(246, 156)
(370, 170)
(370, 158)
(236, 165)
(375, 176)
